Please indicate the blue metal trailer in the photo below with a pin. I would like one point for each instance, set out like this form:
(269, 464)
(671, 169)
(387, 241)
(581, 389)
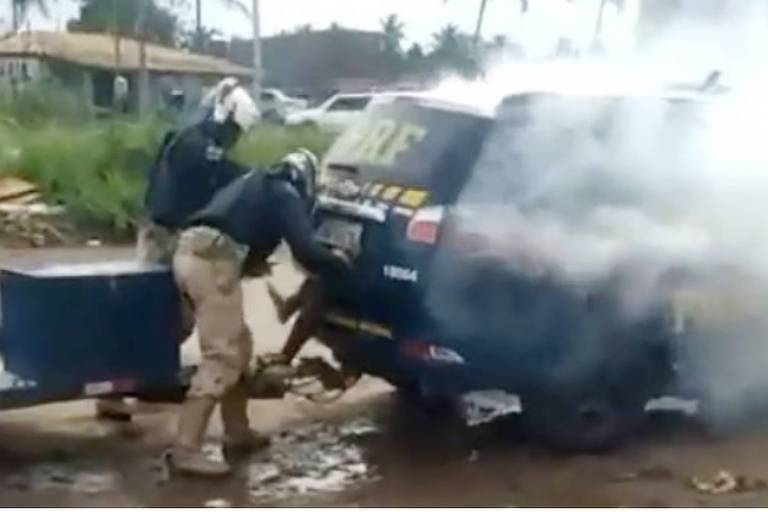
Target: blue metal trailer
(88, 330)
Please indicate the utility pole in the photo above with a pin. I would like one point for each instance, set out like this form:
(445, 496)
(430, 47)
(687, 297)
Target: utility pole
(257, 64)
(199, 26)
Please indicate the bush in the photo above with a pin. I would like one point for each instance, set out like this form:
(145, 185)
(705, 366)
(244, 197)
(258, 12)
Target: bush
(36, 105)
(267, 143)
(98, 169)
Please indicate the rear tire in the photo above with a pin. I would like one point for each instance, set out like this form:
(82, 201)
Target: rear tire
(585, 422)
(412, 395)
(272, 116)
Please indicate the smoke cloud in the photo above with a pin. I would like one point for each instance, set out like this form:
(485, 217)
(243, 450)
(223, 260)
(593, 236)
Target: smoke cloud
(606, 173)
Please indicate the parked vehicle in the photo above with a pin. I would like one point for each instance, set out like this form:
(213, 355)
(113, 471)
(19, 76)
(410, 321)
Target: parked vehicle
(334, 115)
(276, 105)
(436, 309)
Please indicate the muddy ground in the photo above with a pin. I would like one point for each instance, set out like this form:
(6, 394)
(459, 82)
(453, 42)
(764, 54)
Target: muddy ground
(368, 449)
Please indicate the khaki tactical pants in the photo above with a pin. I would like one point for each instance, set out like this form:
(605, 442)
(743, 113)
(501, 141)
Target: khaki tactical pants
(207, 266)
(156, 244)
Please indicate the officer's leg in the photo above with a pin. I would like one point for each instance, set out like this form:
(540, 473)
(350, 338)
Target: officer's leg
(214, 288)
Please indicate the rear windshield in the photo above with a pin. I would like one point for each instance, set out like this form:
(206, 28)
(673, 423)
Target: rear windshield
(411, 145)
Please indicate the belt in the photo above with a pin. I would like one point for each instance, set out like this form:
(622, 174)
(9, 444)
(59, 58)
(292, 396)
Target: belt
(214, 242)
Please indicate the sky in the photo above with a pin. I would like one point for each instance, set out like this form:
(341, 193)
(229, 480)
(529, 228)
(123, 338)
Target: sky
(422, 18)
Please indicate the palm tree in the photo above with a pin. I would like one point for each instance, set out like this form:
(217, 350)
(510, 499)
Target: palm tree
(601, 11)
(479, 28)
(229, 4)
(20, 9)
(394, 32)
(446, 39)
(481, 19)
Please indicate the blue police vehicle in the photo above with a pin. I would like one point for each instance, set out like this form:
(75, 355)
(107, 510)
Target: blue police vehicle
(435, 307)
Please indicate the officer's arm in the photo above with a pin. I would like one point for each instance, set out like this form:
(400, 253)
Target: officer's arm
(297, 231)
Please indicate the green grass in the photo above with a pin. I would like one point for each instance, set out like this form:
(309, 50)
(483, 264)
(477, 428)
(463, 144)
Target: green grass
(97, 169)
(268, 143)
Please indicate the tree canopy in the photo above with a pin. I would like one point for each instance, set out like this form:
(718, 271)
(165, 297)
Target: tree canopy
(394, 34)
(20, 8)
(161, 24)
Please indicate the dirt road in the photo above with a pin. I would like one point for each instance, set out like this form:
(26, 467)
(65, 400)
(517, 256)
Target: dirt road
(367, 449)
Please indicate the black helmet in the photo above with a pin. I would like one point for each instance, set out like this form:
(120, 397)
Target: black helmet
(300, 168)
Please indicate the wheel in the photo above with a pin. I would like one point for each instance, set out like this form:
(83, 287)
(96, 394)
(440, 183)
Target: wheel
(411, 395)
(273, 116)
(583, 422)
(115, 409)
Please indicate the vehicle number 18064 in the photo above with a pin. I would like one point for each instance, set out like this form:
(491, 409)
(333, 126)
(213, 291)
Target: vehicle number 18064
(396, 273)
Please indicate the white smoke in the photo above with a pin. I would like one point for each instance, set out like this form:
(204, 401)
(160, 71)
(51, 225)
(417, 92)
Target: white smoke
(579, 188)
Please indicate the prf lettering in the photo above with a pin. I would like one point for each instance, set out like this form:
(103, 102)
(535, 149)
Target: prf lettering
(385, 140)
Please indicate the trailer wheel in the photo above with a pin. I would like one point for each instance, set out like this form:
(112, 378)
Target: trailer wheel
(590, 422)
(114, 409)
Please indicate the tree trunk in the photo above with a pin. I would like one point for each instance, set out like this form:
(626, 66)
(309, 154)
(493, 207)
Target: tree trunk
(480, 19)
(199, 25)
(118, 59)
(143, 86)
(16, 16)
(599, 23)
(116, 34)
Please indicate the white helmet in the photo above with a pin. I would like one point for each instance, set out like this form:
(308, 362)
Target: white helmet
(218, 91)
(230, 101)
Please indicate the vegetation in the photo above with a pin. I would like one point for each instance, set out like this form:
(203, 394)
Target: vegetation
(97, 167)
(102, 16)
(451, 50)
(200, 38)
(20, 9)
(162, 19)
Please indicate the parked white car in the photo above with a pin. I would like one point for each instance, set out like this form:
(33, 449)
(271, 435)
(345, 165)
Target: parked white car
(333, 115)
(277, 106)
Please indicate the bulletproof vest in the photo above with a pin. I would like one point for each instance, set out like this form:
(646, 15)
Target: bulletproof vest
(184, 177)
(244, 210)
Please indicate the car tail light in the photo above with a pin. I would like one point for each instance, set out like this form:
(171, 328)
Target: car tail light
(425, 225)
(431, 353)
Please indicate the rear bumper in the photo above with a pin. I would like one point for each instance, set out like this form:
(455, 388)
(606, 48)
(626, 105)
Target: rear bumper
(511, 364)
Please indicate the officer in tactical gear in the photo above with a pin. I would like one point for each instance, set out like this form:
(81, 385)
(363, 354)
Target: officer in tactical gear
(231, 238)
(190, 167)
